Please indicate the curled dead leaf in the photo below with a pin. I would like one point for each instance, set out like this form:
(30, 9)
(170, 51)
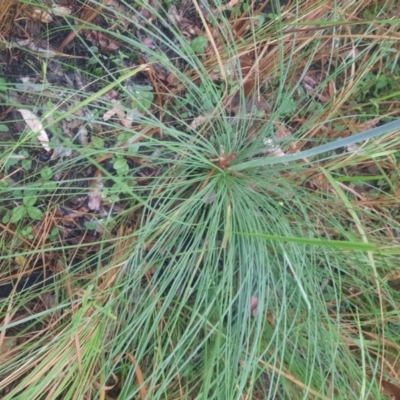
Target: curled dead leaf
(36, 127)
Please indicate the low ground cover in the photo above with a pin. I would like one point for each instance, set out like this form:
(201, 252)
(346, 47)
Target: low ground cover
(171, 226)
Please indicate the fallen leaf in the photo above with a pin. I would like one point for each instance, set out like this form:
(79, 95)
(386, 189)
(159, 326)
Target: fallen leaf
(112, 94)
(100, 40)
(60, 11)
(146, 14)
(186, 26)
(116, 110)
(83, 135)
(110, 113)
(148, 42)
(391, 389)
(96, 186)
(41, 15)
(40, 47)
(172, 79)
(198, 121)
(36, 126)
(310, 83)
(368, 124)
(282, 133)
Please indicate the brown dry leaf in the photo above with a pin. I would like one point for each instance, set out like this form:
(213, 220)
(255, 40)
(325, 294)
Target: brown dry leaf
(124, 121)
(95, 189)
(310, 83)
(391, 389)
(146, 14)
(41, 15)
(246, 64)
(187, 27)
(198, 121)
(7, 346)
(331, 89)
(317, 182)
(36, 126)
(368, 124)
(172, 79)
(148, 42)
(100, 40)
(116, 110)
(112, 94)
(281, 130)
(110, 113)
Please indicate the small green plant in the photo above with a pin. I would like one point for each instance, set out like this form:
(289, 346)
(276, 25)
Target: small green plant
(141, 97)
(28, 208)
(27, 232)
(198, 44)
(4, 128)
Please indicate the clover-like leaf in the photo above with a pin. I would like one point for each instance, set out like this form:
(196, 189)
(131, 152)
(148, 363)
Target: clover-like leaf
(34, 212)
(17, 214)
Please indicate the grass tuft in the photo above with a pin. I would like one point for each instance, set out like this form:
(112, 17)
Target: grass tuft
(218, 215)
